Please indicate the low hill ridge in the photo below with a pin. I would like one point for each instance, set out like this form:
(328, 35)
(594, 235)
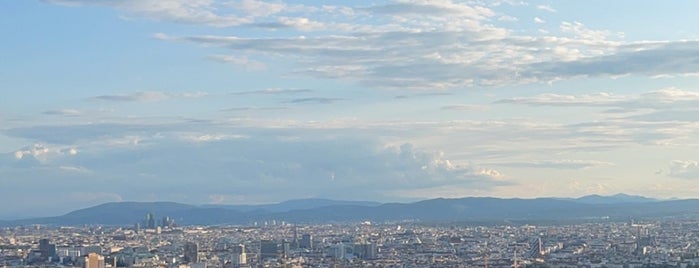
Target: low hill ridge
(619, 207)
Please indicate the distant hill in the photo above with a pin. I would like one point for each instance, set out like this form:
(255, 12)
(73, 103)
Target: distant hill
(118, 213)
(614, 199)
(473, 209)
(296, 204)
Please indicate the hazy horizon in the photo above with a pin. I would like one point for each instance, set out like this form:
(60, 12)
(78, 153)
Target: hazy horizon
(250, 102)
(11, 217)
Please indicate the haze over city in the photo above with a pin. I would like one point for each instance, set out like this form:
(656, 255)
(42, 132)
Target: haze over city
(250, 102)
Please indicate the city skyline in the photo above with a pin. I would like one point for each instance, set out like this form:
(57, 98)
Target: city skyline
(249, 102)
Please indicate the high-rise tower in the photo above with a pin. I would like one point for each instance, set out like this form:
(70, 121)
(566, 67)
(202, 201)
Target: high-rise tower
(239, 257)
(191, 252)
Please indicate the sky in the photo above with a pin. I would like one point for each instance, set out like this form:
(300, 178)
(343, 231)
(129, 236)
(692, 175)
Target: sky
(249, 102)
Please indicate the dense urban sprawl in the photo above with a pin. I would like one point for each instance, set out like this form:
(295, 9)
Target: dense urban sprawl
(661, 243)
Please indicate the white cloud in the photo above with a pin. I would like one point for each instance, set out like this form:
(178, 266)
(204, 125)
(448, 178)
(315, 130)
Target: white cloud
(688, 169)
(334, 164)
(240, 61)
(546, 8)
(466, 107)
(274, 91)
(183, 11)
(507, 18)
(539, 20)
(671, 95)
(73, 169)
(259, 8)
(43, 153)
(148, 96)
(63, 112)
(579, 30)
(666, 98)
(559, 164)
(552, 99)
(143, 96)
(199, 137)
(382, 45)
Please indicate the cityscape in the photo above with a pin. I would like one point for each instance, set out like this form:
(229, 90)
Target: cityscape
(349, 134)
(162, 243)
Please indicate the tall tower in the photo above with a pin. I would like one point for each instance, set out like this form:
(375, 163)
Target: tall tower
(269, 249)
(191, 252)
(485, 254)
(239, 257)
(94, 260)
(165, 222)
(307, 241)
(150, 221)
(47, 249)
(295, 242)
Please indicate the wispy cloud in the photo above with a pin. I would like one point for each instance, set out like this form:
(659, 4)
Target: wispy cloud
(144, 96)
(274, 91)
(688, 169)
(546, 8)
(63, 112)
(148, 96)
(348, 163)
(558, 164)
(382, 45)
(465, 107)
(663, 98)
(552, 99)
(508, 18)
(249, 108)
(240, 61)
(318, 100)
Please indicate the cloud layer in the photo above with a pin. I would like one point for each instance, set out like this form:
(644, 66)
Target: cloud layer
(410, 44)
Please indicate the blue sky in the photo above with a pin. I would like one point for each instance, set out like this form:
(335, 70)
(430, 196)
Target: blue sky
(205, 101)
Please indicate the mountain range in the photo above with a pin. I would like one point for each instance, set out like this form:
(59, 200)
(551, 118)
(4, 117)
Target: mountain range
(469, 209)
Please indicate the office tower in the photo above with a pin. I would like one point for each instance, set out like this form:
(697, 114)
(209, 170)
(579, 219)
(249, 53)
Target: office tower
(239, 258)
(286, 248)
(306, 241)
(47, 249)
(269, 249)
(295, 242)
(166, 222)
(94, 260)
(150, 221)
(191, 252)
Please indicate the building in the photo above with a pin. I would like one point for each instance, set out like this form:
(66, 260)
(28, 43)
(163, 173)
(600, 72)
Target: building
(306, 241)
(191, 252)
(367, 251)
(286, 248)
(269, 249)
(91, 249)
(239, 258)
(47, 249)
(149, 221)
(295, 242)
(166, 222)
(337, 251)
(94, 260)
